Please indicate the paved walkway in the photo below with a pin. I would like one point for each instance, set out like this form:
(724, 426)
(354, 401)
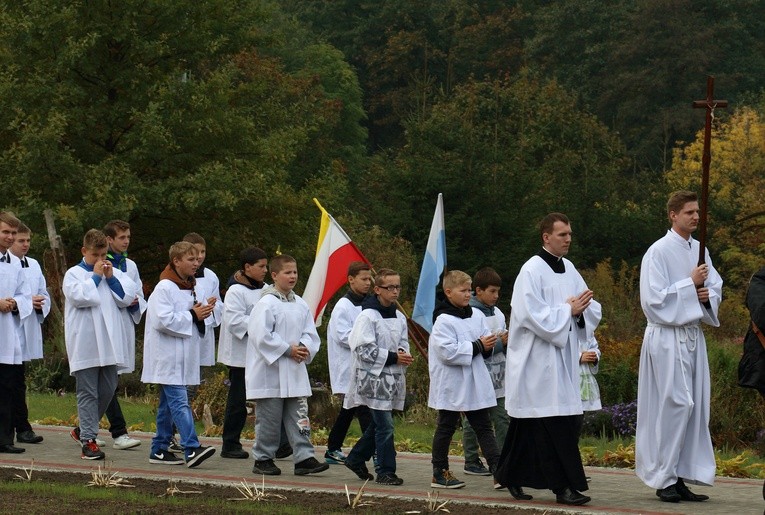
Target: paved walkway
(612, 490)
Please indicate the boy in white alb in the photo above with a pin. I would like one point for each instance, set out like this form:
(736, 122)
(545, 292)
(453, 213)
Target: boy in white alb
(243, 291)
(171, 355)
(339, 329)
(459, 379)
(486, 285)
(282, 341)
(118, 237)
(94, 294)
(31, 331)
(380, 349)
(15, 304)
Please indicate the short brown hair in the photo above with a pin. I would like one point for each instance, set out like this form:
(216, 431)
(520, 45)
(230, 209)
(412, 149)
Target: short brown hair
(357, 266)
(195, 238)
(23, 229)
(454, 278)
(94, 239)
(382, 274)
(278, 262)
(9, 219)
(115, 226)
(677, 199)
(486, 277)
(548, 222)
(180, 249)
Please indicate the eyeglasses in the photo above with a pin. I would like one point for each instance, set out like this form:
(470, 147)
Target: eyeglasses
(391, 287)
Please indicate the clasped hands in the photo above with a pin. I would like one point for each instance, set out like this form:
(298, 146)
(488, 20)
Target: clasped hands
(580, 302)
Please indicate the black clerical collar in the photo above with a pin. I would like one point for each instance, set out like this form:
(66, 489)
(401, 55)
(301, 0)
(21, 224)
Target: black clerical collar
(372, 302)
(555, 262)
(355, 298)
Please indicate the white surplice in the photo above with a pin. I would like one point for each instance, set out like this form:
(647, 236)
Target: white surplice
(13, 284)
(673, 437)
(132, 316)
(275, 324)
(31, 325)
(371, 382)
(495, 363)
(170, 352)
(542, 362)
(232, 342)
(459, 381)
(341, 322)
(92, 321)
(208, 286)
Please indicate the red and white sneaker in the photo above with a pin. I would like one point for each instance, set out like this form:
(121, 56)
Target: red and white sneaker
(91, 451)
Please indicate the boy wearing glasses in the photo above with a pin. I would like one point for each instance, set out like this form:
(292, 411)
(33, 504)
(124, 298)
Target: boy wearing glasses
(174, 320)
(380, 352)
(459, 378)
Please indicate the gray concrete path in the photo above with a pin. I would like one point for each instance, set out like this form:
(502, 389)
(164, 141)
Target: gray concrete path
(612, 490)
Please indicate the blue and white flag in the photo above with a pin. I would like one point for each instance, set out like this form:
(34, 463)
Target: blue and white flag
(433, 266)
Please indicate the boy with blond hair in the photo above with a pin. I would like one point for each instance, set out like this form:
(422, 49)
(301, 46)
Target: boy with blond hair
(171, 355)
(94, 294)
(459, 379)
(31, 331)
(282, 341)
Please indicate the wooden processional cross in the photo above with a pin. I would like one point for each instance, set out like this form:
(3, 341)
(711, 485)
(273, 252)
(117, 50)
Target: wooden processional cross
(709, 104)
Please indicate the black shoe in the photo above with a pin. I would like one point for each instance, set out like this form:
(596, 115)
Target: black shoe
(10, 449)
(310, 466)
(389, 479)
(518, 493)
(28, 437)
(195, 457)
(686, 494)
(266, 468)
(361, 470)
(237, 454)
(668, 494)
(284, 451)
(571, 497)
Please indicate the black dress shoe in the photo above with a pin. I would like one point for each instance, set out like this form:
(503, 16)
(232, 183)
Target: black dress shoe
(10, 449)
(668, 494)
(518, 493)
(571, 497)
(686, 494)
(28, 437)
(237, 454)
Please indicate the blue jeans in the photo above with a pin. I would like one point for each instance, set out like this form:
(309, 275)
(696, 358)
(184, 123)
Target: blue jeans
(174, 408)
(378, 436)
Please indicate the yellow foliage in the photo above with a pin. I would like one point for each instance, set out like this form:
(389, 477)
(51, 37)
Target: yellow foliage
(741, 465)
(623, 457)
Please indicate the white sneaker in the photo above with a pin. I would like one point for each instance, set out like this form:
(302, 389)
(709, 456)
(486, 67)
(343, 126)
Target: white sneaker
(125, 442)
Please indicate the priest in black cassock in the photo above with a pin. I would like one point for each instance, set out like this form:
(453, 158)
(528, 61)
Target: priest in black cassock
(550, 309)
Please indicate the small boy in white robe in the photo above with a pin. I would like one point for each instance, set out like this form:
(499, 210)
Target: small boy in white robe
(94, 294)
(380, 348)
(171, 355)
(118, 237)
(486, 285)
(15, 304)
(344, 314)
(31, 331)
(459, 378)
(244, 290)
(282, 341)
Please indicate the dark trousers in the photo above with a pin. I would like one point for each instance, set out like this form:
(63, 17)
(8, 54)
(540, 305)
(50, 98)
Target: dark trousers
(6, 406)
(117, 424)
(542, 453)
(236, 409)
(20, 415)
(446, 425)
(340, 428)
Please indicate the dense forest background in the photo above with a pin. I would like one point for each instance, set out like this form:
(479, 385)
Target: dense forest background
(227, 117)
